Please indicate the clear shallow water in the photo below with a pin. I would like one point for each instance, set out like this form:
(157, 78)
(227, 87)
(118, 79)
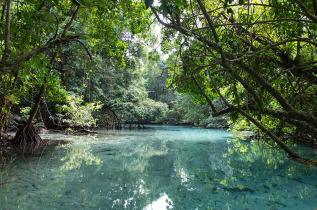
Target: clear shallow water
(158, 168)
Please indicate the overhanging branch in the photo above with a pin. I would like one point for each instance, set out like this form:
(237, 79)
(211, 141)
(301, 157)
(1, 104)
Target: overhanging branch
(27, 56)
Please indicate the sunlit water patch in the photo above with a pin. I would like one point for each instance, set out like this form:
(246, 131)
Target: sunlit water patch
(158, 168)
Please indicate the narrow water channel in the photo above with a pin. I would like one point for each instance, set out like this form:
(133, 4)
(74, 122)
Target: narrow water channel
(161, 167)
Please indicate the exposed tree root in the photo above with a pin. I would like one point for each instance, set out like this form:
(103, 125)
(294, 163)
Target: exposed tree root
(27, 133)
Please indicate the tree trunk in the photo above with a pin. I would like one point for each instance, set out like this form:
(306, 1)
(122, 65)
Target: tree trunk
(27, 133)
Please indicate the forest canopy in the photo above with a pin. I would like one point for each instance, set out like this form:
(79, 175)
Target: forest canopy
(258, 57)
(253, 62)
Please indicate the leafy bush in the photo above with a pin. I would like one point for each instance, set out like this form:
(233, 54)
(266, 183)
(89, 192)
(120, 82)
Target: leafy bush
(25, 112)
(76, 114)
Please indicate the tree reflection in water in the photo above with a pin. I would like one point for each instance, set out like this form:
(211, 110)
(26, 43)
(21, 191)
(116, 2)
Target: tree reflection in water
(159, 169)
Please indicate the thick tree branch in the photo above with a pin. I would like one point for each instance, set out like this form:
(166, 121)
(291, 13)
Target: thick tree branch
(42, 90)
(270, 134)
(251, 71)
(27, 56)
(225, 63)
(258, 124)
(267, 86)
(183, 30)
(70, 22)
(306, 11)
(255, 75)
(214, 46)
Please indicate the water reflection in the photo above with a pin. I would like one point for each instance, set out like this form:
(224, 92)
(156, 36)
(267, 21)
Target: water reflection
(78, 155)
(160, 168)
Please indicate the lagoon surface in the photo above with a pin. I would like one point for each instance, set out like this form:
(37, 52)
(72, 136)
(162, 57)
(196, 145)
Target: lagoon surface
(161, 167)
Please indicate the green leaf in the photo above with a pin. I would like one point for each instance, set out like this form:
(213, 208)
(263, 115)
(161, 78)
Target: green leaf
(77, 2)
(148, 3)
(180, 3)
(241, 2)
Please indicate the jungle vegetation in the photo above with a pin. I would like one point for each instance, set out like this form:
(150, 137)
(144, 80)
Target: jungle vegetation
(70, 64)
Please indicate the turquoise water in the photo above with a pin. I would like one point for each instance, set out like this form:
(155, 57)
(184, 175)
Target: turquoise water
(160, 167)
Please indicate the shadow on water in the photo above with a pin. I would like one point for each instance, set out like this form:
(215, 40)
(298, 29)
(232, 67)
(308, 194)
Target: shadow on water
(158, 168)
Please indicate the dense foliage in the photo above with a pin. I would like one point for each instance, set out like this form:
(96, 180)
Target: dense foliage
(79, 57)
(253, 61)
(62, 45)
(258, 57)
